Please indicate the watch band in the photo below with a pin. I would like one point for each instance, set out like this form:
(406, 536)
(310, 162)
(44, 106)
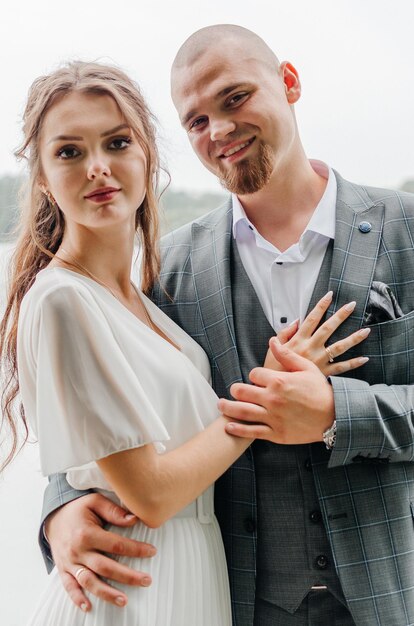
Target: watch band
(329, 436)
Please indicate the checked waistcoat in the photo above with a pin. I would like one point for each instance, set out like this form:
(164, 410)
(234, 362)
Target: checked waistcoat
(293, 551)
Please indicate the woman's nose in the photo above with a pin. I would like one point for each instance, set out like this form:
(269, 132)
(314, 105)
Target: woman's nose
(98, 166)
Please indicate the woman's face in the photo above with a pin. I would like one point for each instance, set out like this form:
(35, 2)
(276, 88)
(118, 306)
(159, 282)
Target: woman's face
(91, 162)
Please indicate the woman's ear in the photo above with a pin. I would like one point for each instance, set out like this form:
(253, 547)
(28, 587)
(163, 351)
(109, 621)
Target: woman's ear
(42, 186)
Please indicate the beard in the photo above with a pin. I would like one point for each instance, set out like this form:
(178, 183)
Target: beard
(250, 174)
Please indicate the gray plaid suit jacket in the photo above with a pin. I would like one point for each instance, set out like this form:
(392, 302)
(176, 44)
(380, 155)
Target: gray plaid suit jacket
(366, 491)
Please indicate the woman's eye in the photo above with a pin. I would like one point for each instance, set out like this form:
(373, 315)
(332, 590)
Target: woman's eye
(68, 152)
(120, 143)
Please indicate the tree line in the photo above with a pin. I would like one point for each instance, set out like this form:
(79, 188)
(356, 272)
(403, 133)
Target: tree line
(176, 207)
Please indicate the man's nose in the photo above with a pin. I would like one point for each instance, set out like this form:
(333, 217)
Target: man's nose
(98, 166)
(220, 128)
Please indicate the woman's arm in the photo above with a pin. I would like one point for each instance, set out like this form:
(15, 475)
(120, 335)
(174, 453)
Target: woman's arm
(156, 486)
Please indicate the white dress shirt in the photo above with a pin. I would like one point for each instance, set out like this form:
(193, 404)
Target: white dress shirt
(284, 281)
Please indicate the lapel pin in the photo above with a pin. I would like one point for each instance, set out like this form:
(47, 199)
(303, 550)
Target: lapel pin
(364, 227)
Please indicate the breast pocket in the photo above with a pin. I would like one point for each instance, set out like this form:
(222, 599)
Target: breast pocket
(390, 348)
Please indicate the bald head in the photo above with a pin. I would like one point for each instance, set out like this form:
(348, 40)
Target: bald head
(214, 37)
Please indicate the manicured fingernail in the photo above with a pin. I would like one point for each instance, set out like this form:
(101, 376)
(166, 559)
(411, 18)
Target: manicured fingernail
(84, 607)
(350, 306)
(145, 582)
(328, 295)
(120, 601)
(129, 516)
(151, 551)
(364, 332)
(363, 359)
(230, 427)
(296, 321)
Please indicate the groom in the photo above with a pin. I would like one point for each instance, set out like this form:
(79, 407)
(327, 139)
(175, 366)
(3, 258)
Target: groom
(320, 531)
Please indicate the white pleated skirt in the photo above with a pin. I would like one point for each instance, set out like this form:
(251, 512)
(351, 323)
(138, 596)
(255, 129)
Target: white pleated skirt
(189, 583)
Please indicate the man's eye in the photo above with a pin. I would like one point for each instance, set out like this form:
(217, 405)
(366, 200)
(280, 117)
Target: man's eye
(198, 123)
(120, 143)
(237, 98)
(68, 152)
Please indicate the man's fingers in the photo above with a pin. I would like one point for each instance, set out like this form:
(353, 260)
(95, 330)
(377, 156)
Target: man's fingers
(242, 410)
(92, 583)
(111, 512)
(75, 592)
(113, 570)
(249, 431)
(107, 541)
(247, 393)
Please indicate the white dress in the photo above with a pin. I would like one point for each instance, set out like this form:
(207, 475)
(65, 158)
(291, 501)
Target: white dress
(95, 380)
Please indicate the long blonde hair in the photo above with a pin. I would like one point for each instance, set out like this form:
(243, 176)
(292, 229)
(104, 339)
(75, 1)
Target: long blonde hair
(42, 222)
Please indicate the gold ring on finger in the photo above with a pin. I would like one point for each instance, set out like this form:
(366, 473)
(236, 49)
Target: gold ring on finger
(330, 355)
(79, 572)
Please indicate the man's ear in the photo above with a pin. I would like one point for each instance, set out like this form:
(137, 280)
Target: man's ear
(291, 80)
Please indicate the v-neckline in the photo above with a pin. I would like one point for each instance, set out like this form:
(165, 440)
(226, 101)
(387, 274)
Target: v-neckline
(161, 334)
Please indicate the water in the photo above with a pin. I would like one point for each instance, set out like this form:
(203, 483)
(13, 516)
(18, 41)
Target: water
(22, 573)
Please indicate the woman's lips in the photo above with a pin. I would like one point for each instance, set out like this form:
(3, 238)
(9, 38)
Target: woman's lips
(103, 195)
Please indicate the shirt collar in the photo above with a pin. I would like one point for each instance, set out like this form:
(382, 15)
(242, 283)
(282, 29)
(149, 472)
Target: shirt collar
(323, 219)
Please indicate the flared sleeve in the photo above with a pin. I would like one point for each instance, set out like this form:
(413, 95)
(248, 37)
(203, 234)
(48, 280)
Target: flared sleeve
(81, 396)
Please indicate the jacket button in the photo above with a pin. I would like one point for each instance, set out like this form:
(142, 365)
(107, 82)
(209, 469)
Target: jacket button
(249, 525)
(308, 464)
(364, 227)
(322, 561)
(315, 517)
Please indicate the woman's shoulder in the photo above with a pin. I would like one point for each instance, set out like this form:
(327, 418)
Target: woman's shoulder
(57, 288)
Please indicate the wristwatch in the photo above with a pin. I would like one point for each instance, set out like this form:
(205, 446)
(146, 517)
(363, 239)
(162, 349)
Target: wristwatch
(329, 436)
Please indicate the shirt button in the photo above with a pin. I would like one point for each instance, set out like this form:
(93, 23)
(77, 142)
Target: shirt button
(308, 464)
(249, 525)
(315, 517)
(279, 263)
(322, 561)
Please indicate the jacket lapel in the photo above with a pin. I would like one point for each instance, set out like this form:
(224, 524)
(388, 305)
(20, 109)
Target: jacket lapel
(212, 280)
(359, 223)
(347, 270)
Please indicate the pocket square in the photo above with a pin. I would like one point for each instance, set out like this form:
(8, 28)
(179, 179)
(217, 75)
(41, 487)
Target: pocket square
(382, 305)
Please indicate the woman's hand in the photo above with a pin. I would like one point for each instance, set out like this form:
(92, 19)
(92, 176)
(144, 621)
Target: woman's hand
(309, 341)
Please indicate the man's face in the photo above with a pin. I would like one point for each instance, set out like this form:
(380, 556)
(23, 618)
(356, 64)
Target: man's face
(238, 116)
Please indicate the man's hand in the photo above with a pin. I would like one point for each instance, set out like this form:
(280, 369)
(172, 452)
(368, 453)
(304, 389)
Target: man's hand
(294, 406)
(77, 539)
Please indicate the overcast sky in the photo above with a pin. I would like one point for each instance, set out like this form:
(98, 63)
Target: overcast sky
(355, 59)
